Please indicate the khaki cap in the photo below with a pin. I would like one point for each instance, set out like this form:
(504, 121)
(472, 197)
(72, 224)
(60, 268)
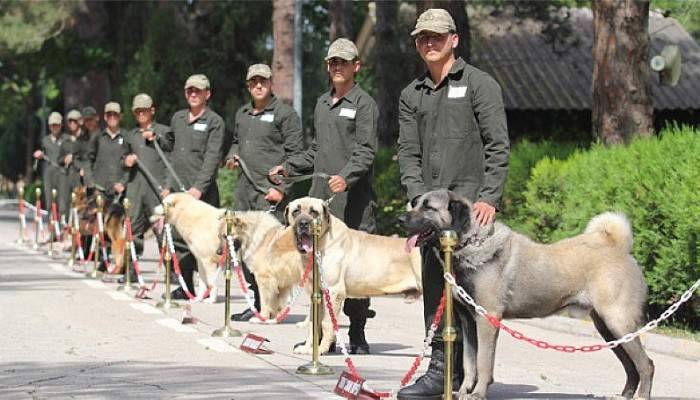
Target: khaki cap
(435, 20)
(55, 118)
(89, 112)
(73, 115)
(262, 70)
(199, 81)
(113, 106)
(141, 100)
(342, 48)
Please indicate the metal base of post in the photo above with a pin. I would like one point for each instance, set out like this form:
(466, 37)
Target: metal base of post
(315, 368)
(35, 246)
(125, 287)
(167, 304)
(71, 262)
(226, 331)
(94, 274)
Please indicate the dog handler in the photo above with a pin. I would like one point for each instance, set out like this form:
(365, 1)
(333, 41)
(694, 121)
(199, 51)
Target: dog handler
(197, 152)
(345, 142)
(104, 155)
(73, 156)
(267, 132)
(53, 176)
(452, 136)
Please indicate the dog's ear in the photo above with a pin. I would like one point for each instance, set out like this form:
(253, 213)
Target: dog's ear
(460, 213)
(327, 214)
(286, 216)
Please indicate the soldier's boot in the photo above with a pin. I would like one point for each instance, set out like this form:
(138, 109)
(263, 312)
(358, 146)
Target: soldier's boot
(358, 343)
(430, 386)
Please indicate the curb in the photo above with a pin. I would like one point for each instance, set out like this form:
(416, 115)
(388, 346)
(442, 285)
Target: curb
(681, 348)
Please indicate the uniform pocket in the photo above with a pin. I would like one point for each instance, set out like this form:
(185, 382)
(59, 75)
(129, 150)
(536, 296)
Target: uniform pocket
(460, 117)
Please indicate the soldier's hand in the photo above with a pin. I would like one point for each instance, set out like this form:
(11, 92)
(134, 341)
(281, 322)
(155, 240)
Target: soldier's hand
(82, 172)
(337, 184)
(148, 135)
(38, 154)
(195, 193)
(164, 193)
(484, 213)
(274, 196)
(119, 187)
(232, 163)
(130, 160)
(68, 159)
(274, 171)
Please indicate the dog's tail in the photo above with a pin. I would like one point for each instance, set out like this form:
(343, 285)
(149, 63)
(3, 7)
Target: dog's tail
(615, 226)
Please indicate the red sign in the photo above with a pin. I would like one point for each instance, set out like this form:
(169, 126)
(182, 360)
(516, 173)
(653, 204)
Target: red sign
(253, 344)
(349, 386)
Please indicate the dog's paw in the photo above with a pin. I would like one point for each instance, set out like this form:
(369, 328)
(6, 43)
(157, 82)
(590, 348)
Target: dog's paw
(209, 300)
(303, 324)
(303, 349)
(471, 396)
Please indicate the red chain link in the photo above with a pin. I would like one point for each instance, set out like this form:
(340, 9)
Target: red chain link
(334, 321)
(416, 363)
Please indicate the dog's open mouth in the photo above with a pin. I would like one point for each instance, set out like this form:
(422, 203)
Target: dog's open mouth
(419, 239)
(304, 242)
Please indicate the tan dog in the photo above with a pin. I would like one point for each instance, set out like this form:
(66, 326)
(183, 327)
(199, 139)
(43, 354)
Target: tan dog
(513, 277)
(355, 264)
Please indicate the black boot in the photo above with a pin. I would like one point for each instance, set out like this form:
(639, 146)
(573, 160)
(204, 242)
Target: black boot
(431, 385)
(358, 343)
(245, 315)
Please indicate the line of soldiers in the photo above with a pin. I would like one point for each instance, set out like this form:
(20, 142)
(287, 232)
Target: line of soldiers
(453, 135)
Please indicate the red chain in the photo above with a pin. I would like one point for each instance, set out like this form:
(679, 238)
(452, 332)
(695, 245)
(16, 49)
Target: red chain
(416, 363)
(54, 219)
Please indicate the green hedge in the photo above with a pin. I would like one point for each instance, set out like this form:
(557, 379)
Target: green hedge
(654, 181)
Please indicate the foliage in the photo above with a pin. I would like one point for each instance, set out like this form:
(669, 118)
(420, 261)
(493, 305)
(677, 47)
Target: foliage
(27, 25)
(686, 12)
(391, 199)
(653, 181)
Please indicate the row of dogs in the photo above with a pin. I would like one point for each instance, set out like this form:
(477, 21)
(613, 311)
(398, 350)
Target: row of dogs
(505, 272)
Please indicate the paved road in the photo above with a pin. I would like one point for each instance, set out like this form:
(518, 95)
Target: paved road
(65, 336)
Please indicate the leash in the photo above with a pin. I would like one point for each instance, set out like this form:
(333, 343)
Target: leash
(168, 166)
(149, 177)
(246, 172)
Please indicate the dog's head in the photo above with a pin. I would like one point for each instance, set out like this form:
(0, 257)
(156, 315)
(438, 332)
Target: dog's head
(300, 213)
(434, 212)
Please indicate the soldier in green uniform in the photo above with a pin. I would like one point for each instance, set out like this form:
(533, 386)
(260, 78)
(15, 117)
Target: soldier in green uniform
(105, 153)
(54, 175)
(197, 153)
(345, 142)
(73, 155)
(91, 127)
(453, 135)
(144, 194)
(267, 132)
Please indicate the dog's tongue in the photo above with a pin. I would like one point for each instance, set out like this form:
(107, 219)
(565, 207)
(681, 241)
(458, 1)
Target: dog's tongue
(306, 247)
(411, 243)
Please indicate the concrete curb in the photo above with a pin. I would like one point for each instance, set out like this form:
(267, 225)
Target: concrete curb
(681, 348)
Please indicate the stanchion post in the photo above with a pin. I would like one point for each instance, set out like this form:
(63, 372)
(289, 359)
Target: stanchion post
(226, 330)
(315, 367)
(95, 273)
(22, 215)
(448, 240)
(37, 211)
(52, 223)
(127, 251)
(167, 302)
(74, 229)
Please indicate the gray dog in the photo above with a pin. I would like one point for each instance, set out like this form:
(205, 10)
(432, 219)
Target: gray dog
(513, 277)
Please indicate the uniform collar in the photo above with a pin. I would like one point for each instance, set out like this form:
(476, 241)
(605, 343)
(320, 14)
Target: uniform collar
(106, 133)
(249, 108)
(204, 116)
(352, 96)
(456, 69)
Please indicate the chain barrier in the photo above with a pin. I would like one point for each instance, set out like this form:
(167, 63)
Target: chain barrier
(38, 221)
(54, 221)
(249, 296)
(565, 348)
(178, 272)
(111, 269)
(132, 251)
(426, 343)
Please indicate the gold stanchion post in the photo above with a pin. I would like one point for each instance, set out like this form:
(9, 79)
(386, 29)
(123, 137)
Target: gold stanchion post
(315, 367)
(95, 273)
(127, 251)
(22, 217)
(167, 303)
(226, 330)
(35, 246)
(74, 229)
(448, 240)
(52, 223)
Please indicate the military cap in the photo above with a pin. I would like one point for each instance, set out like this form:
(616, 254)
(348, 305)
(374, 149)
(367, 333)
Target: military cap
(113, 106)
(55, 118)
(342, 48)
(73, 115)
(434, 20)
(199, 81)
(89, 112)
(141, 100)
(262, 70)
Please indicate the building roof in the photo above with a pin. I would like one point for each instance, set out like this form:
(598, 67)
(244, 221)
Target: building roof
(536, 75)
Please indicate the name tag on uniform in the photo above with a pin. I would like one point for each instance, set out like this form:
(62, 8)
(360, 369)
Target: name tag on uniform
(457, 92)
(267, 117)
(121, 140)
(200, 127)
(348, 112)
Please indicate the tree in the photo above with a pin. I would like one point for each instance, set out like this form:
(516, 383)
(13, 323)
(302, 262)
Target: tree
(283, 55)
(388, 80)
(340, 12)
(622, 103)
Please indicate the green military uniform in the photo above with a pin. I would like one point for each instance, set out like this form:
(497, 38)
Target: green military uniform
(344, 144)
(143, 194)
(263, 140)
(104, 161)
(197, 152)
(76, 146)
(53, 176)
(452, 136)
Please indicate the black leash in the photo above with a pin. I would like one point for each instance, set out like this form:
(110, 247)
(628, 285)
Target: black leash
(168, 166)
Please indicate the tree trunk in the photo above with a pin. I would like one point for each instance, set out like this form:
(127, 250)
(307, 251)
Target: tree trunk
(283, 53)
(340, 13)
(387, 78)
(458, 11)
(622, 104)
